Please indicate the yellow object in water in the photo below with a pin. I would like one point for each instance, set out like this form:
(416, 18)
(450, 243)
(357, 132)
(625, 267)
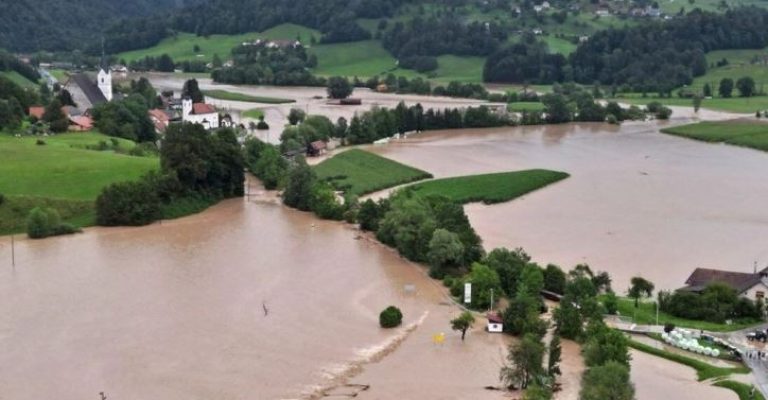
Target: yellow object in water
(438, 338)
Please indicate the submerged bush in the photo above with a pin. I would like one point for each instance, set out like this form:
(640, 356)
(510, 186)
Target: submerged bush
(390, 317)
(45, 222)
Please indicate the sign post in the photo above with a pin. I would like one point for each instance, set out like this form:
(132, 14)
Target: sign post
(467, 293)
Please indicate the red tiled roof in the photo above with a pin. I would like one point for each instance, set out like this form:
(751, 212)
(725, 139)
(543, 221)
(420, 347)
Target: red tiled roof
(494, 318)
(159, 115)
(36, 111)
(318, 145)
(202, 108)
(84, 122)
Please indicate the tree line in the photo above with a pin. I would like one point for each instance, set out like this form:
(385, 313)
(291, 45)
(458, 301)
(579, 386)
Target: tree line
(263, 65)
(654, 56)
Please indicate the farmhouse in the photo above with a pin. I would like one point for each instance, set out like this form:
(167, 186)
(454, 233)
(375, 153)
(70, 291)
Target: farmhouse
(748, 285)
(199, 113)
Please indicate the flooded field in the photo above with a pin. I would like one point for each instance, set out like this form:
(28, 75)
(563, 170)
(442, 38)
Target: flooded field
(638, 202)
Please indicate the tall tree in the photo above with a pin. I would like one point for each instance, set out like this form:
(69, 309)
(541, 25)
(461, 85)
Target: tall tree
(192, 90)
(339, 87)
(462, 323)
(607, 382)
(525, 363)
(640, 287)
(726, 87)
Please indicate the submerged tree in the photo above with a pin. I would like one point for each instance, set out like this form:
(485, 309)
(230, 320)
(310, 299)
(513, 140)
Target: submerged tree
(462, 323)
(525, 363)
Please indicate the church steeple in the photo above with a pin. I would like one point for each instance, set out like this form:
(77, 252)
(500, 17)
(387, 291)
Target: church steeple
(104, 78)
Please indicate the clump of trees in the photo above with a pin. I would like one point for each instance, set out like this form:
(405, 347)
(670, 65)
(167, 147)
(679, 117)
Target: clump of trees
(45, 222)
(196, 168)
(266, 163)
(264, 65)
(126, 118)
(390, 317)
(717, 303)
(339, 87)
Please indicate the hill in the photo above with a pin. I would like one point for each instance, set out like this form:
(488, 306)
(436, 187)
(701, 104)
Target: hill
(29, 25)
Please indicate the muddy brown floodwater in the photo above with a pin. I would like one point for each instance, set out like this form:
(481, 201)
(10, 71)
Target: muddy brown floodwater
(638, 202)
(177, 311)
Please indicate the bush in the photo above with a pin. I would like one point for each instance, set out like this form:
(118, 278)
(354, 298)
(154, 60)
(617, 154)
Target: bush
(669, 327)
(262, 126)
(45, 222)
(390, 317)
(40, 142)
(611, 119)
(128, 203)
(2, 199)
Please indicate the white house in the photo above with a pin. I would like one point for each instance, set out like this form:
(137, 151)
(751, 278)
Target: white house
(495, 323)
(749, 285)
(199, 113)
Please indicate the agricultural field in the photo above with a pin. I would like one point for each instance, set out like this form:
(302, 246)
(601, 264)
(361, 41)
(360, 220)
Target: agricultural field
(745, 105)
(359, 172)
(181, 46)
(489, 188)
(752, 134)
(254, 113)
(60, 173)
(521, 106)
(18, 79)
(233, 96)
(559, 45)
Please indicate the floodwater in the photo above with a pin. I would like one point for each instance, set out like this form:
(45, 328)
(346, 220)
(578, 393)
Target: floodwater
(309, 99)
(248, 300)
(654, 377)
(638, 202)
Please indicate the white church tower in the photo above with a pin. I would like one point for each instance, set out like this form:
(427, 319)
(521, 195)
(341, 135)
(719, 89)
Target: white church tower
(104, 79)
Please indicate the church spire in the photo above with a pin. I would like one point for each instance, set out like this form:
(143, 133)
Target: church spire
(103, 64)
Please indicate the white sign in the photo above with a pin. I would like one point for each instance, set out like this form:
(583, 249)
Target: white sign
(467, 292)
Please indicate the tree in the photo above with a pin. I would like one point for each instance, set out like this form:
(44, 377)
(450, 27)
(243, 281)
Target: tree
(445, 250)
(557, 108)
(509, 266)
(640, 287)
(56, 119)
(605, 345)
(525, 360)
(611, 303)
(484, 282)
(216, 63)
(339, 87)
(746, 86)
(298, 191)
(45, 93)
(536, 391)
(607, 382)
(390, 317)
(462, 323)
(696, 103)
(128, 204)
(555, 356)
(192, 90)
(295, 116)
(554, 279)
(66, 98)
(707, 91)
(165, 64)
(726, 87)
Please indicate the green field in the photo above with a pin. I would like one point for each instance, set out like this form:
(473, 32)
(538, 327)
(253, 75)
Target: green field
(18, 79)
(181, 46)
(233, 96)
(362, 59)
(745, 105)
(645, 314)
(254, 113)
(752, 134)
(489, 188)
(704, 370)
(521, 106)
(60, 173)
(455, 68)
(558, 45)
(359, 172)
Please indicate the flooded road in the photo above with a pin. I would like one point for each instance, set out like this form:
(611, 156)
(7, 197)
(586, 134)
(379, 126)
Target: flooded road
(243, 301)
(638, 202)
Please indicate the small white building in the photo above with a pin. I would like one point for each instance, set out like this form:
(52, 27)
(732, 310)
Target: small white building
(495, 323)
(199, 113)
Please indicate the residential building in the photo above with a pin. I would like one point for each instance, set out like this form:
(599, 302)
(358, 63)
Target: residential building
(199, 113)
(750, 285)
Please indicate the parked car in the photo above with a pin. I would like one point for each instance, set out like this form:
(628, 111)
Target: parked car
(757, 335)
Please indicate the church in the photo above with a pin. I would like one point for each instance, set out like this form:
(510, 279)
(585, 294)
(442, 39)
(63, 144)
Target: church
(87, 92)
(199, 113)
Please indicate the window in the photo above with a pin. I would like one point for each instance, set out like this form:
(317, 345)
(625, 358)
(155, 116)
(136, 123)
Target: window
(759, 294)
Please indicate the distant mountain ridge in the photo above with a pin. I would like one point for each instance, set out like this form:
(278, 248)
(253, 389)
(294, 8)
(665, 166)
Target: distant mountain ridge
(30, 25)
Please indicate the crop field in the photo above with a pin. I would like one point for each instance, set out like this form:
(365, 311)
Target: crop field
(359, 172)
(233, 96)
(740, 133)
(489, 188)
(521, 106)
(18, 79)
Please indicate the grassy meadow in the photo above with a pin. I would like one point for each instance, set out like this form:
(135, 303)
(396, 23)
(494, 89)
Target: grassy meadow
(704, 370)
(233, 96)
(254, 113)
(360, 172)
(489, 188)
(62, 174)
(19, 79)
(752, 134)
(743, 105)
(521, 106)
(645, 314)
(181, 46)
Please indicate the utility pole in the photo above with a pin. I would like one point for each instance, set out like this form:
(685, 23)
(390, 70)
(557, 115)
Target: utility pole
(13, 251)
(491, 306)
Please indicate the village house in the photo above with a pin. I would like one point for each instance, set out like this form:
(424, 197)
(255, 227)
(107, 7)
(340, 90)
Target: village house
(749, 285)
(199, 113)
(495, 323)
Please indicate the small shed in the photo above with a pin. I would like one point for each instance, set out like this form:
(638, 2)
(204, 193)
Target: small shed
(316, 148)
(495, 323)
